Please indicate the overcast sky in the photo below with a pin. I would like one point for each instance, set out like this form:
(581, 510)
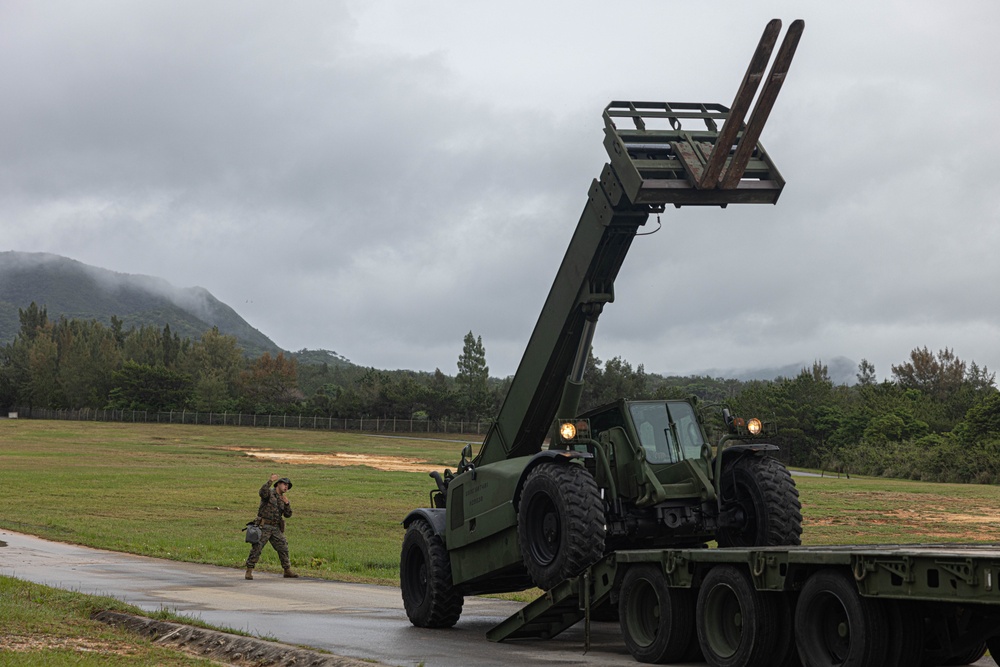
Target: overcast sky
(379, 178)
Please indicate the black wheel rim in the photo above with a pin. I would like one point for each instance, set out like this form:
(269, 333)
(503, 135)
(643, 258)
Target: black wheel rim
(745, 535)
(831, 629)
(544, 529)
(642, 614)
(723, 621)
(416, 576)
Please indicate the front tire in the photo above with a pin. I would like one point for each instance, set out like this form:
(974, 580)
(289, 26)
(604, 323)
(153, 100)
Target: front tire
(560, 523)
(429, 598)
(763, 495)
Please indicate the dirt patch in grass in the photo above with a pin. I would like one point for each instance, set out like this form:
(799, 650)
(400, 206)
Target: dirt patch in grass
(25, 644)
(921, 517)
(340, 459)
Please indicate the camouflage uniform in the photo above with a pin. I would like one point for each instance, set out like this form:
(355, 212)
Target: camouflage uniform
(271, 518)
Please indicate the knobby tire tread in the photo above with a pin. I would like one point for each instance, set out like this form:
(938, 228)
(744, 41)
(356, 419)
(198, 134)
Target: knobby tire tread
(442, 604)
(573, 490)
(783, 510)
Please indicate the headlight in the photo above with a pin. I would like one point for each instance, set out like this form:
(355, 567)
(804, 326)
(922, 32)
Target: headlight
(567, 431)
(754, 426)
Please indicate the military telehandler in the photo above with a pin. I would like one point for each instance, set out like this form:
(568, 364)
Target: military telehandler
(551, 491)
(614, 507)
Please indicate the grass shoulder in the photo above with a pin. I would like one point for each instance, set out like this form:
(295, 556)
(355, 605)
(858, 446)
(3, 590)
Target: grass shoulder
(52, 627)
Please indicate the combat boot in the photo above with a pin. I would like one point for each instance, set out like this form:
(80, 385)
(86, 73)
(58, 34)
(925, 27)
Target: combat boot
(249, 574)
(289, 574)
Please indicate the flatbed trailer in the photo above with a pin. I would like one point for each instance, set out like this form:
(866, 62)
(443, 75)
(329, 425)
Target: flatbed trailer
(818, 606)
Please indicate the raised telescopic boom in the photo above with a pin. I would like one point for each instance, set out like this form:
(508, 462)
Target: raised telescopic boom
(660, 160)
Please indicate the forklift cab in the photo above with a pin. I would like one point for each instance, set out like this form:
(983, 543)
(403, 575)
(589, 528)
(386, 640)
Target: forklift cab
(668, 431)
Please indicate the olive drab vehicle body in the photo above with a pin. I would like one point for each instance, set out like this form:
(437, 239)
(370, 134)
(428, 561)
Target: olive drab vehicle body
(541, 501)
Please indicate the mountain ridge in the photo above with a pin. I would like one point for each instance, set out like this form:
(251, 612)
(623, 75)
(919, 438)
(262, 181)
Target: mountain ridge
(69, 288)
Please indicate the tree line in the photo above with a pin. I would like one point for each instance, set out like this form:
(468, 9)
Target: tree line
(76, 363)
(937, 418)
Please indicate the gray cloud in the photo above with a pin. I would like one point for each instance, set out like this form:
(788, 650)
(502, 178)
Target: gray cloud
(379, 178)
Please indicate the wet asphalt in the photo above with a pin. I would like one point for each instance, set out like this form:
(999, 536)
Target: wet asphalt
(356, 620)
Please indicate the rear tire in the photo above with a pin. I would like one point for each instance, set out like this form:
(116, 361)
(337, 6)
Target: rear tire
(656, 620)
(761, 489)
(429, 598)
(835, 626)
(560, 523)
(737, 624)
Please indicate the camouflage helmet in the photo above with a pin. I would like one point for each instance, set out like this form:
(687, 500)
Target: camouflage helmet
(285, 480)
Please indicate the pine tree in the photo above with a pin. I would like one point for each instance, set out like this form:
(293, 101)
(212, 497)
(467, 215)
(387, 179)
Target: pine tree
(473, 377)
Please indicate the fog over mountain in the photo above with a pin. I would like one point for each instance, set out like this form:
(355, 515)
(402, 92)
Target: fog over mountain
(71, 289)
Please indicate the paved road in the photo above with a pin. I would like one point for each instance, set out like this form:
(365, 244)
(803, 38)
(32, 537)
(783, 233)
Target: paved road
(354, 620)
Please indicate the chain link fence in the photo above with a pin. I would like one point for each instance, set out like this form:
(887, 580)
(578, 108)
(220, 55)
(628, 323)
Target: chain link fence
(366, 424)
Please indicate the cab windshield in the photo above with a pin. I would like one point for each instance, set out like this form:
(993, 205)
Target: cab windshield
(668, 431)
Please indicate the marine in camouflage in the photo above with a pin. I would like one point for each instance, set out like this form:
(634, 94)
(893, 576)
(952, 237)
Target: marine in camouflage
(271, 514)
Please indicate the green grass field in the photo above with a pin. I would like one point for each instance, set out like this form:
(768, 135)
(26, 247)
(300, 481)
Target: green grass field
(185, 492)
(47, 627)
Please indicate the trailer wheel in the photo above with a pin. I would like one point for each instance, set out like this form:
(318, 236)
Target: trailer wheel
(425, 579)
(993, 644)
(951, 626)
(835, 625)
(737, 624)
(656, 620)
(693, 652)
(970, 656)
(785, 652)
(906, 633)
(763, 494)
(560, 523)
